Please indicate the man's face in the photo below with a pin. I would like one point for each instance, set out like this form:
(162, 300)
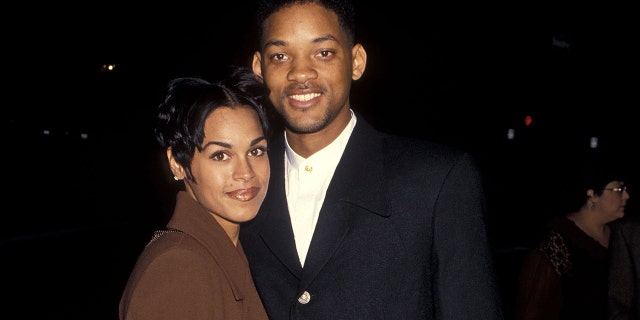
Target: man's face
(307, 63)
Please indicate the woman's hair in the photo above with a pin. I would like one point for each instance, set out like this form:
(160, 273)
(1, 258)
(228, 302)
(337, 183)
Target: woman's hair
(598, 170)
(188, 102)
(594, 172)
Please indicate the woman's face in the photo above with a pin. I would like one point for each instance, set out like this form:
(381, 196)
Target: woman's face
(231, 173)
(613, 200)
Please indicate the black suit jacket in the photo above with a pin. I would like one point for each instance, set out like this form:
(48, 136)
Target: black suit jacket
(624, 270)
(401, 235)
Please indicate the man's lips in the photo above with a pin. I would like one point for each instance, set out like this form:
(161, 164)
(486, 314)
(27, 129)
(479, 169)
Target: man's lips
(303, 100)
(243, 194)
(304, 97)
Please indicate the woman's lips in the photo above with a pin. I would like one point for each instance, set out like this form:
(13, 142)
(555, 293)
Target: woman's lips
(244, 194)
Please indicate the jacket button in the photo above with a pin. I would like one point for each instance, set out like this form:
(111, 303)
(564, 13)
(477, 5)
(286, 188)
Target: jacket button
(304, 297)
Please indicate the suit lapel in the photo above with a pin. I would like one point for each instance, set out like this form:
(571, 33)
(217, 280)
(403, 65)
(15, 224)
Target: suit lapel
(357, 182)
(276, 231)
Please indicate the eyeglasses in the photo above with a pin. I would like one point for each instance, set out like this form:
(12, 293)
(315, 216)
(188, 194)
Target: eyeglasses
(617, 189)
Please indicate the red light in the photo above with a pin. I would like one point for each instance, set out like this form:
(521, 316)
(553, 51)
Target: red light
(528, 120)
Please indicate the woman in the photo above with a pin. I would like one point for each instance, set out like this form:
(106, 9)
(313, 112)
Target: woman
(565, 276)
(215, 137)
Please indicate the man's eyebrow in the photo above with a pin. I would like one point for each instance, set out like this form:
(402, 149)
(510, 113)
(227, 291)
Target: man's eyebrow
(326, 37)
(282, 43)
(275, 43)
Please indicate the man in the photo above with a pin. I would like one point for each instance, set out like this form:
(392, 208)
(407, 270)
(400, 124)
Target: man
(624, 269)
(357, 224)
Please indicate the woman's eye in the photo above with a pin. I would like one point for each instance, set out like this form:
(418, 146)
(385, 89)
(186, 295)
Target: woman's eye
(257, 152)
(219, 156)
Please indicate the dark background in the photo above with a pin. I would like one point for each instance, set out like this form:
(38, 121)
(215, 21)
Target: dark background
(79, 210)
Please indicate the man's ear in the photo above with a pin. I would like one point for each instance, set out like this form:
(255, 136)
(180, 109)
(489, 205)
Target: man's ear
(359, 62)
(256, 65)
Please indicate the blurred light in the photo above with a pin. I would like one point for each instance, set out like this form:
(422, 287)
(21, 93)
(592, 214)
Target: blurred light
(593, 143)
(510, 134)
(528, 120)
(46, 132)
(560, 40)
(108, 67)
(84, 136)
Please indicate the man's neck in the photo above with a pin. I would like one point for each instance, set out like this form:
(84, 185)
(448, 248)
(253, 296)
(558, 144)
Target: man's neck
(306, 144)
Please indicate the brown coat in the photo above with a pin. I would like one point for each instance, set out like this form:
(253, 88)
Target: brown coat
(196, 273)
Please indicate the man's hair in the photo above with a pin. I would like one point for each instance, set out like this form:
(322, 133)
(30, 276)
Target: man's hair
(344, 9)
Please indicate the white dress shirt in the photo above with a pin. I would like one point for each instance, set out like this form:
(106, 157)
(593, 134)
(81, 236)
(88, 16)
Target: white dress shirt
(306, 183)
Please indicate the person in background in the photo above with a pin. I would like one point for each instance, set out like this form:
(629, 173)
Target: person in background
(358, 224)
(215, 138)
(565, 275)
(624, 269)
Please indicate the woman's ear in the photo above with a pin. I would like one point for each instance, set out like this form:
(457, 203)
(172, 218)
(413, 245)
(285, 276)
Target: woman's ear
(591, 199)
(176, 168)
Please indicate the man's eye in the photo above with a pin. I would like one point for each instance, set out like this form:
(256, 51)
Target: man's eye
(279, 57)
(325, 54)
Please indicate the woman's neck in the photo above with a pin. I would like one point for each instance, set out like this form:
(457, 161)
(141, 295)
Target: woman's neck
(587, 221)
